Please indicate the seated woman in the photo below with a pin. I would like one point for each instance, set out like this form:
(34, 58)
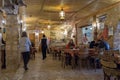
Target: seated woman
(71, 44)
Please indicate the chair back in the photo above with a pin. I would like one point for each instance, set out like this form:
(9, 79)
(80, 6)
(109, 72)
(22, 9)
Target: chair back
(108, 60)
(108, 64)
(108, 56)
(115, 51)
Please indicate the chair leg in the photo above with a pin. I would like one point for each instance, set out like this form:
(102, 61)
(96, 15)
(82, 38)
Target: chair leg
(95, 64)
(106, 77)
(63, 61)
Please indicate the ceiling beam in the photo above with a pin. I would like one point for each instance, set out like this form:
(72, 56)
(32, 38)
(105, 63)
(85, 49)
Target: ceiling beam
(99, 11)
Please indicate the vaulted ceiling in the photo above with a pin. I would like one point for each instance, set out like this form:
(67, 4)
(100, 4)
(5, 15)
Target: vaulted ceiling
(43, 12)
(47, 11)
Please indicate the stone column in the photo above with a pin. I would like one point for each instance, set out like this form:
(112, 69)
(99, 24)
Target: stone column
(12, 40)
(0, 33)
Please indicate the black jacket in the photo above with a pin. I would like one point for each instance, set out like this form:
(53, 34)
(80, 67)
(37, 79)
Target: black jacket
(44, 43)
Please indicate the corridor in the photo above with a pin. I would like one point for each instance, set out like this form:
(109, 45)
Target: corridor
(50, 69)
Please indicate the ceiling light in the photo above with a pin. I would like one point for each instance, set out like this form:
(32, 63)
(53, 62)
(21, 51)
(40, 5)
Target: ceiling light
(3, 21)
(36, 33)
(49, 26)
(62, 14)
(42, 31)
(65, 32)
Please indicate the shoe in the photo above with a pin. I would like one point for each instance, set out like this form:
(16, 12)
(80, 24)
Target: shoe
(26, 69)
(44, 58)
(3, 67)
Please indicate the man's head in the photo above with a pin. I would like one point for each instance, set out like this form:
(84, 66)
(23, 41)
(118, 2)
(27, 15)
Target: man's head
(43, 35)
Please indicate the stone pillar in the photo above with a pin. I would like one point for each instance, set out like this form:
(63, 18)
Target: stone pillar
(12, 40)
(0, 42)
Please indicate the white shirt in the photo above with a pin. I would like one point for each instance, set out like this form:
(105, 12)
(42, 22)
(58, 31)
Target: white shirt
(25, 44)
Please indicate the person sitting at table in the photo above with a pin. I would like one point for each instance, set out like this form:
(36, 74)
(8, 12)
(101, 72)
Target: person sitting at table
(107, 46)
(103, 45)
(92, 44)
(71, 44)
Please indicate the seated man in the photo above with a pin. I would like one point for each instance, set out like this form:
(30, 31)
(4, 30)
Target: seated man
(92, 44)
(107, 46)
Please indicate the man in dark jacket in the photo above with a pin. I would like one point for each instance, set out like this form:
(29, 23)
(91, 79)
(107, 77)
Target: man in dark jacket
(44, 46)
(92, 44)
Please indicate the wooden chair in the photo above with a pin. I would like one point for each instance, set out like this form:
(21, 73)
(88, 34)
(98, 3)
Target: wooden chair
(65, 59)
(32, 52)
(109, 66)
(93, 54)
(83, 60)
(63, 62)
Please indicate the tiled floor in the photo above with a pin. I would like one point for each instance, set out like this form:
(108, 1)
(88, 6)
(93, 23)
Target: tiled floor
(50, 70)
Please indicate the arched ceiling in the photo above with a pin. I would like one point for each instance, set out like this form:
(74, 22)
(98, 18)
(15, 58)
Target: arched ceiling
(43, 12)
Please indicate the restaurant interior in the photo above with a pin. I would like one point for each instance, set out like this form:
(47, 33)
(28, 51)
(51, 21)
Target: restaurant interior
(83, 39)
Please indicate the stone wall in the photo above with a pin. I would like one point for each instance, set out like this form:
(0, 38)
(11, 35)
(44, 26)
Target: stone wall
(112, 19)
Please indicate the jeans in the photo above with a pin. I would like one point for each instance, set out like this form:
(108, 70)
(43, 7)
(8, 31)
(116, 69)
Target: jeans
(44, 52)
(26, 57)
(3, 59)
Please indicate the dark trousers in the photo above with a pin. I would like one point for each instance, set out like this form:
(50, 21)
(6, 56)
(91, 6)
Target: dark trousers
(44, 52)
(26, 57)
(3, 59)
(68, 59)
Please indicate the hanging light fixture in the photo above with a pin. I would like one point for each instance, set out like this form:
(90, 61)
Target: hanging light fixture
(49, 26)
(62, 14)
(42, 31)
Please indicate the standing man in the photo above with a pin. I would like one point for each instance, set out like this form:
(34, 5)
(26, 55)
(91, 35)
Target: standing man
(44, 46)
